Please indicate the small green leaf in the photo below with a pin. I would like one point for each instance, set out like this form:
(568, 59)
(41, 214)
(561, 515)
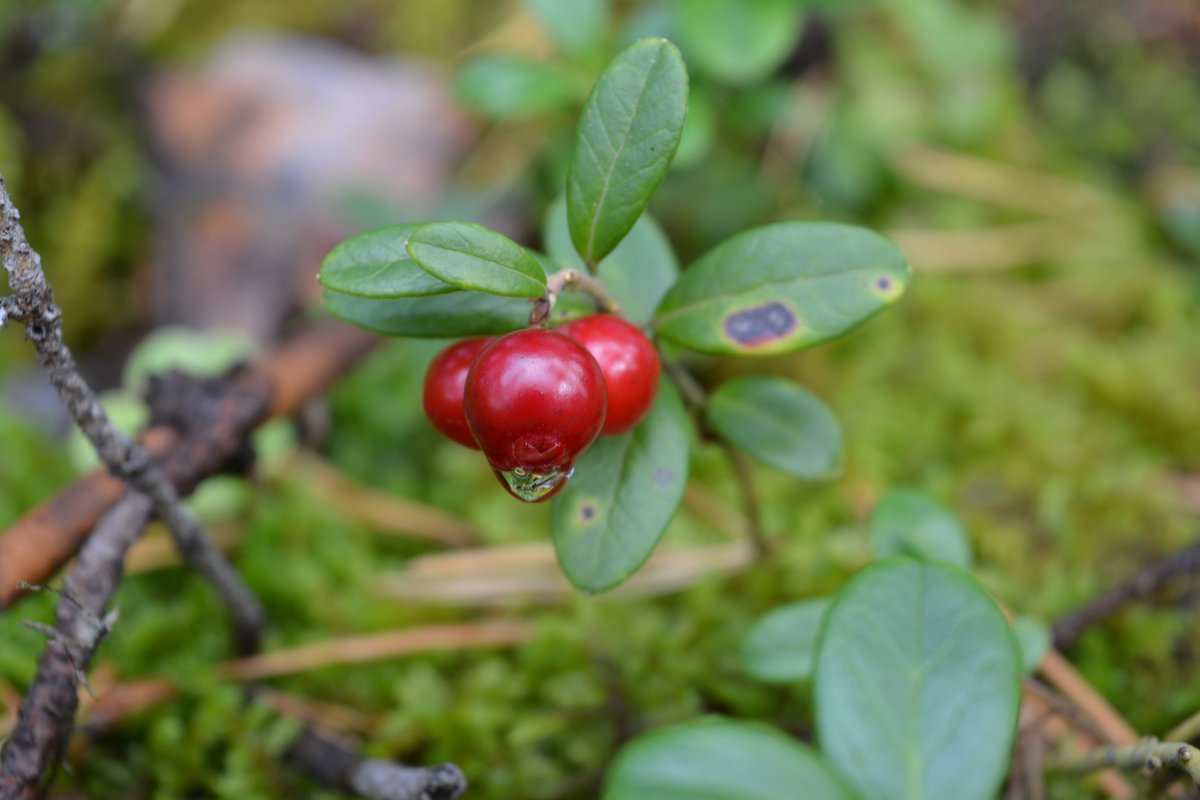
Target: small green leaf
(629, 130)
(719, 759)
(917, 684)
(470, 256)
(739, 41)
(625, 490)
(907, 522)
(779, 424)
(637, 273)
(781, 287)
(445, 316)
(375, 264)
(781, 646)
(576, 26)
(1034, 639)
(503, 87)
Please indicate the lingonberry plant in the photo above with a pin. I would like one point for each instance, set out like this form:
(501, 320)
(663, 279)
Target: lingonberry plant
(909, 645)
(588, 314)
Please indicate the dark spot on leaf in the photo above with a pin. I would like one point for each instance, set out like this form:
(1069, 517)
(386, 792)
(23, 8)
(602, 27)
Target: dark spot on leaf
(883, 284)
(759, 325)
(587, 512)
(663, 477)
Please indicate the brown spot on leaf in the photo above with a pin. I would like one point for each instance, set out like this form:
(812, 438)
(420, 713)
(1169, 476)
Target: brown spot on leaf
(752, 327)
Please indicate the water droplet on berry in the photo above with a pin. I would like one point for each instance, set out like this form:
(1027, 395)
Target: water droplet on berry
(533, 486)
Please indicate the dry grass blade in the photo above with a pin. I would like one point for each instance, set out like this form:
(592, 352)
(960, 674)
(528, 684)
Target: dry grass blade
(380, 510)
(1002, 184)
(376, 647)
(528, 574)
(986, 249)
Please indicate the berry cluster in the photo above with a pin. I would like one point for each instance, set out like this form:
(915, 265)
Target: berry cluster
(534, 400)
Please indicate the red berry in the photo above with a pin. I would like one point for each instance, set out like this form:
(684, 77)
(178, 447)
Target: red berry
(444, 383)
(535, 400)
(629, 363)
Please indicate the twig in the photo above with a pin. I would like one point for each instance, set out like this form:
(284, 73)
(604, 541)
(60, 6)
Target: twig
(41, 541)
(335, 765)
(1150, 756)
(1145, 582)
(48, 711)
(572, 280)
(33, 304)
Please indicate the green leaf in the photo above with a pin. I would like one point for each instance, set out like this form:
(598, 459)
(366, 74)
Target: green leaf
(442, 317)
(782, 287)
(739, 41)
(576, 26)
(625, 490)
(719, 759)
(781, 646)
(907, 522)
(503, 87)
(778, 423)
(629, 130)
(637, 273)
(375, 264)
(917, 684)
(470, 256)
(1034, 639)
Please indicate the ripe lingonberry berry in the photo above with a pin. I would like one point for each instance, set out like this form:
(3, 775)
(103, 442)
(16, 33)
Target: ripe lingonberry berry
(630, 365)
(445, 381)
(535, 399)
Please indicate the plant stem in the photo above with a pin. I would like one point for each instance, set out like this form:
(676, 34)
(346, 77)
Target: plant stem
(1151, 755)
(572, 280)
(743, 471)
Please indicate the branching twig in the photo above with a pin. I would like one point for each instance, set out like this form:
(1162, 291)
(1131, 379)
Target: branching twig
(42, 540)
(33, 304)
(1150, 756)
(1145, 582)
(48, 711)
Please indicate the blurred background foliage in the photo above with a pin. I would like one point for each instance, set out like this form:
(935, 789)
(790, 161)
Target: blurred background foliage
(1037, 159)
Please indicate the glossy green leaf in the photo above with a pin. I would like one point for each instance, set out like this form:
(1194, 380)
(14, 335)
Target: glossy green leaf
(445, 316)
(637, 273)
(917, 684)
(1034, 639)
(375, 264)
(625, 490)
(503, 87)
(907, 522)
(470, 256)
(720, 759)
(782, 645)
(576, 26)
(782, 287)
(629, 130)
(778, 423)
(739, 41)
